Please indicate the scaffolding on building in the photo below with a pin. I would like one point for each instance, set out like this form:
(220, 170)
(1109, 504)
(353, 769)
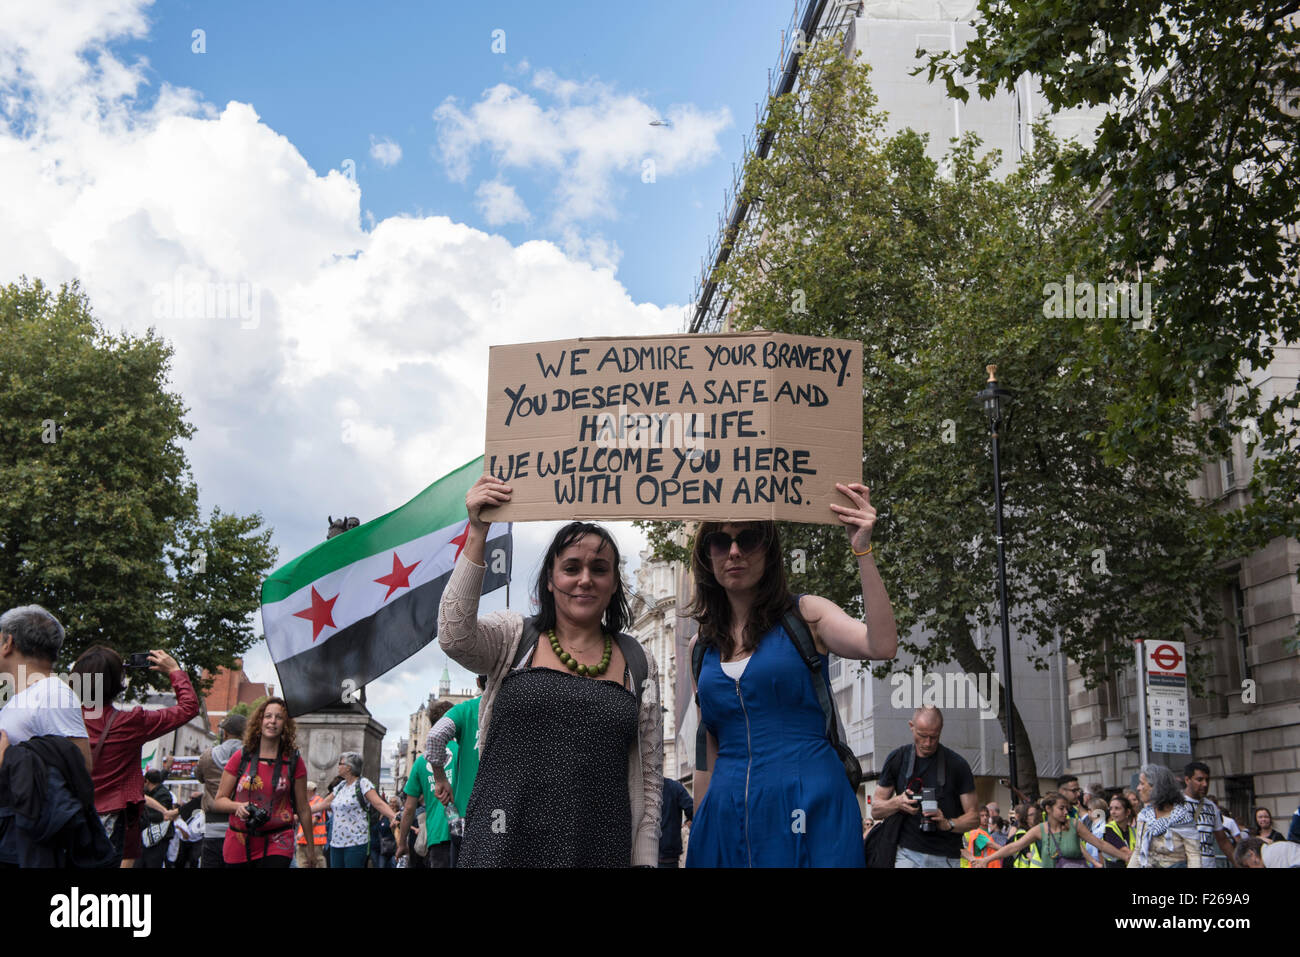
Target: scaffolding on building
(811, 20)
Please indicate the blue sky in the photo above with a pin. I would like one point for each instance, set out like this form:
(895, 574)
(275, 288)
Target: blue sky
(491, 198)
(330, 75)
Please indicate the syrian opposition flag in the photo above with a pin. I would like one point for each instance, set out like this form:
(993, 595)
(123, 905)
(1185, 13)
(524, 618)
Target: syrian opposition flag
(358, 605)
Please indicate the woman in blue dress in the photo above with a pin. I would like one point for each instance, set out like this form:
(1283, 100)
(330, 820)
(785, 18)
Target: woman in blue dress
(776, 794)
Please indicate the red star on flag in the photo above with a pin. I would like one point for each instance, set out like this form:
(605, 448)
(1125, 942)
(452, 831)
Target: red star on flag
(320, 614)
(459, 541)
(399, 577)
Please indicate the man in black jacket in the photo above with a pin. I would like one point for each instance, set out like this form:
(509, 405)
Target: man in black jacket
(676, 802)
(155, 855)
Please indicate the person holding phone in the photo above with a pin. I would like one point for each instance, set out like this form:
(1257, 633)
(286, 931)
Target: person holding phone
(116, 736)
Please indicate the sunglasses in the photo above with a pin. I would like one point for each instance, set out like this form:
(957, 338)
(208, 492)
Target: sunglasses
(719, 543)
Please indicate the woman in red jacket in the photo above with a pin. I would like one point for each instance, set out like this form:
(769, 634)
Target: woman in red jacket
(117, 736)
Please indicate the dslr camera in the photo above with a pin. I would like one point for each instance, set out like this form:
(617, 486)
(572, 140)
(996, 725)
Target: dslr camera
(258, 818)
(929, 802)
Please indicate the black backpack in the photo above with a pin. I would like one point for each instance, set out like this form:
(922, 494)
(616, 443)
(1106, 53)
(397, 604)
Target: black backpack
(633, 654)
(802, 638)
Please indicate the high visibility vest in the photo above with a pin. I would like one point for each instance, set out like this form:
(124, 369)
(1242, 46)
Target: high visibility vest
(1029, 858)
(990, 848)
(1132, 842)
(1132, 833)
(318, 831)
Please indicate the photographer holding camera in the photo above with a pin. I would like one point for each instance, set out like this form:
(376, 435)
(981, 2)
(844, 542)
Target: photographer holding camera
(262, 787)
(936, 791)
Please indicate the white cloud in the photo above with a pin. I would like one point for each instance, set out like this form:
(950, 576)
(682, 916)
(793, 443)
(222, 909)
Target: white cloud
(500, 204)
(385, 152)
(595, 138)
(365, 372)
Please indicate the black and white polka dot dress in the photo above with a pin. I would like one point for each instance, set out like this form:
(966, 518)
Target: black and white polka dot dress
(552, 785)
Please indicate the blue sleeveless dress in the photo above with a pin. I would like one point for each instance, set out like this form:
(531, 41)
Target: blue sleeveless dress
(778, 796)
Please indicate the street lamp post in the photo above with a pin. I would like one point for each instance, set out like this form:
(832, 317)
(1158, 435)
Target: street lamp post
(993, 398)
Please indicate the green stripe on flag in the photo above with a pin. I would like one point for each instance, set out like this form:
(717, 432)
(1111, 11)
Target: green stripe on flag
(439, 505)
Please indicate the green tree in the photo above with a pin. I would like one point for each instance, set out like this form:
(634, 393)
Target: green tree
(99, 515)
(937, 275)
(246, 708)
(1199, 160)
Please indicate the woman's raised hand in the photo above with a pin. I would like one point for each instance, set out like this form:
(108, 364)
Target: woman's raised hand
(485, 493)
(162, 662)
(860, 518)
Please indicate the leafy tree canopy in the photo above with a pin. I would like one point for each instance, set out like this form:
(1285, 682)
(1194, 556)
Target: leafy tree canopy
(1198, 164)
(859, 235)
(99, 517)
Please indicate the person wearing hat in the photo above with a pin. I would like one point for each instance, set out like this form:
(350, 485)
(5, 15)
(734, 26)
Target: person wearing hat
(211, 763)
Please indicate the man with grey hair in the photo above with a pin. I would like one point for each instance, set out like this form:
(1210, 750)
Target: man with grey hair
(30, 639)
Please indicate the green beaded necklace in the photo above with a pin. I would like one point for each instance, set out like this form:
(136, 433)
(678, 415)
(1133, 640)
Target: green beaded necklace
(572, 663)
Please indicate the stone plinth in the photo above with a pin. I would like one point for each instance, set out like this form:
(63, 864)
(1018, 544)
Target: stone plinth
(324, 735)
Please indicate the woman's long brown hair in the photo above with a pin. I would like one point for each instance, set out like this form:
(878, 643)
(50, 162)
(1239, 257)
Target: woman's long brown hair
(712, 609)
(253, 733)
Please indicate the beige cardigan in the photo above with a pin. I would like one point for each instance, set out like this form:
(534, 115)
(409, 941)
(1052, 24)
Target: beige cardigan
(487, 646)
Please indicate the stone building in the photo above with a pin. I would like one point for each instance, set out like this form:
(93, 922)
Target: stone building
(1246, 722)
(654, 624)
(418, 724)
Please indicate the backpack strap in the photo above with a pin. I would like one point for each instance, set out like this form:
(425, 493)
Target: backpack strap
(244, 758)
(634, 655)
(911, 763)
(527, 642)
(802, 638)
(701, 733)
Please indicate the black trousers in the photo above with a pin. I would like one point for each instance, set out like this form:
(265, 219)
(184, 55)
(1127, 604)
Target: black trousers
(211, 855)
(154, 857)
(187, 855)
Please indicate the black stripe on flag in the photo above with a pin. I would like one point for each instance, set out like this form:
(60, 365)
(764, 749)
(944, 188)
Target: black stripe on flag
(369, 648)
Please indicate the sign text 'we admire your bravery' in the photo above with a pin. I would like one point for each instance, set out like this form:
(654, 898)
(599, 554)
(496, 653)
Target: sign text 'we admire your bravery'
(751, 425)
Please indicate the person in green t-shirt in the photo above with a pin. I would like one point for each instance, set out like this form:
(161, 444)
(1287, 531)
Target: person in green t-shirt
(459, 725)
(420, 789)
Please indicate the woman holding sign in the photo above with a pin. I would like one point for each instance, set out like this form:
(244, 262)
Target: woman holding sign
(571, 737)
(775, 792)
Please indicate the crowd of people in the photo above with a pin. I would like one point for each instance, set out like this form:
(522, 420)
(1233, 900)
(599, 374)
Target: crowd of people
(1165, 823)
(558, 762)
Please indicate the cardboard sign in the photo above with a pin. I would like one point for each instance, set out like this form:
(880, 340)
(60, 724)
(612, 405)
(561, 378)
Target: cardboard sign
(740, 426)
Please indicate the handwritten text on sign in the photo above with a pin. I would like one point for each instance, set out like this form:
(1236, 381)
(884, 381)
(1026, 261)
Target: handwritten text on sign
(749, 425)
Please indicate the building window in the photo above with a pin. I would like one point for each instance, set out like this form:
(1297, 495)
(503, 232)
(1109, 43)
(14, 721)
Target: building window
(1241, 632)
(1228, 474)
(1239, 799)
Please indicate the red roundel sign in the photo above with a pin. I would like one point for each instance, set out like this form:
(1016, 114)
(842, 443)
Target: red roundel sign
(1167, 657)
